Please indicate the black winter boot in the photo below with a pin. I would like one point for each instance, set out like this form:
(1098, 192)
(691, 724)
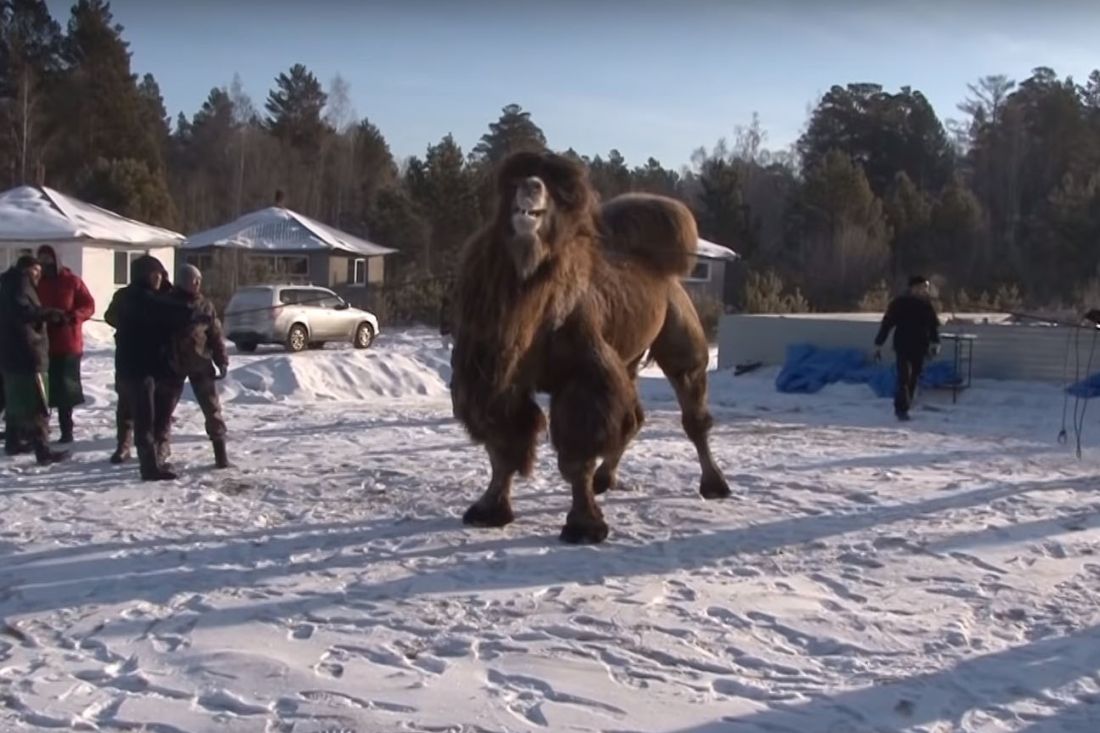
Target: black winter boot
(221, 460)
(151, 470)
(121, 455)
(65, 419)
(45, 456)
(15, 443)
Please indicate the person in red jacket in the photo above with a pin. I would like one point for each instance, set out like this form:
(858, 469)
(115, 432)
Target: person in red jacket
(62, 289)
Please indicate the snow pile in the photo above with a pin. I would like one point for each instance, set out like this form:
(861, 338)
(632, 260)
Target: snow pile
(98, 336)
(404, 370)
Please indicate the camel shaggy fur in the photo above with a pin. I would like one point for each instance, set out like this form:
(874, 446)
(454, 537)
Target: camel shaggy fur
(559, 295)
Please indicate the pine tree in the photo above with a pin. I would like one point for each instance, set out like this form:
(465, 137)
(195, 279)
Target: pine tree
(513, 132)
(842, 233)
(295, 119)
(609, 177)
(721, 212)
(374, 163)
(295, 110)
(959, 239)
(128, 187)
(117, 132)
(655, 178)
(909, 211)
(445, 190)
(885, 133)
(30, 62)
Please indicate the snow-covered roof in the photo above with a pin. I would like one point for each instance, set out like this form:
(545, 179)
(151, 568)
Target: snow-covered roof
(41, 214)
(711, 251)
(279, 229)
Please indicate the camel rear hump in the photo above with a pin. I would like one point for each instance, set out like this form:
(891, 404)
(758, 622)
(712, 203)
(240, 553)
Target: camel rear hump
(657, 231)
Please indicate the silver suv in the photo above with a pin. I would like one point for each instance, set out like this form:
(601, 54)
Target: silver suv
(299, 316)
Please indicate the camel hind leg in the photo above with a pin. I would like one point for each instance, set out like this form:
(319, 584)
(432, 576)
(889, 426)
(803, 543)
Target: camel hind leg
(682, 353)
(607, 475)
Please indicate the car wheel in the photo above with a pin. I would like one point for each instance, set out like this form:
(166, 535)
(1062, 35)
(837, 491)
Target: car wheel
(246, 347)
(297, 339)
(364, 336)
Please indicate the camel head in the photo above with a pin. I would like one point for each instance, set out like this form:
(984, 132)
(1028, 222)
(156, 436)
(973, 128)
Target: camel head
(544, 199)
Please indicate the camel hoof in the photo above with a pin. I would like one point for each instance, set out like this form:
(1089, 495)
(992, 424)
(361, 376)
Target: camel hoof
(584, 532)
(714, 487)
(497, 515)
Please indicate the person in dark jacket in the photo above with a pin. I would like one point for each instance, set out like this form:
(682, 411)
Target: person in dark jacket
(60, 288)
(201, 358)
(124, 416)
(146, 321)
(24, 359)
(913, 319)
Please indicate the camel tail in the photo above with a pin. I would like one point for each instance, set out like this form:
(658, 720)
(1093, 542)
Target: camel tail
(657, 231)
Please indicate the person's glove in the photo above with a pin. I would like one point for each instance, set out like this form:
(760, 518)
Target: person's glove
(934, 350)
(222, 371)
(70, 318)
(878, 354)
(55, 317)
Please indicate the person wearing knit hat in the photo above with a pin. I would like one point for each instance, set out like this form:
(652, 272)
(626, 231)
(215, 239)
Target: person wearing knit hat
(201, 358)
(912, 318)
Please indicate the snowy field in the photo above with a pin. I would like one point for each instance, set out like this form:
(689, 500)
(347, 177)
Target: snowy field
(938, 576)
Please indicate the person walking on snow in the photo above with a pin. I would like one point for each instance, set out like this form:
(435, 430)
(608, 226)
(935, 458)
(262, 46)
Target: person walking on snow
(146, 321)
(912, 318)
(24, 360)
(124, 416)
(201, 358)
(60, 288)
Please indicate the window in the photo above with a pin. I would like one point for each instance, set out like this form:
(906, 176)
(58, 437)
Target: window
(358, 271)
(294, 296)
(292, 265)
(123, 260)
(278, 268)
(701, 272)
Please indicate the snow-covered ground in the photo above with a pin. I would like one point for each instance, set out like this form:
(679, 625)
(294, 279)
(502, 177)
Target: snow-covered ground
(938, 576)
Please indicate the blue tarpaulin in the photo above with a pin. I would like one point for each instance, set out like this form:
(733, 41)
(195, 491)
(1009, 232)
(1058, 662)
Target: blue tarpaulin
(1087, 388)
(809, 368)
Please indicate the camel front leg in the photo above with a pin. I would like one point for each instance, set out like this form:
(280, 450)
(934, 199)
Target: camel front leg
(511, 444)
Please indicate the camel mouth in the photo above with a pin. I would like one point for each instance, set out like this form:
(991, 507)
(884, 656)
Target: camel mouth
(529, 213)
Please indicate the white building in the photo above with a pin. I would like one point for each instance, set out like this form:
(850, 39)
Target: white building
(96, 244)
(711, 276)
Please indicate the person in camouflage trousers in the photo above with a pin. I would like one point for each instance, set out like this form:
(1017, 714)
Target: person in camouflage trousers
(199, 356)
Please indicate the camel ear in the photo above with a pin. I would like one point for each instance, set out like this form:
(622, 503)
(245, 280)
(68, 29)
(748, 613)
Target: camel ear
(568, 182)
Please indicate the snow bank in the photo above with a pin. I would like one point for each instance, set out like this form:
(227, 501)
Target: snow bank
(402, 367)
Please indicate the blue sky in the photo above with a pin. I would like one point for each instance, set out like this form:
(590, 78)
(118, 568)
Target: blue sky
(645, 77)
